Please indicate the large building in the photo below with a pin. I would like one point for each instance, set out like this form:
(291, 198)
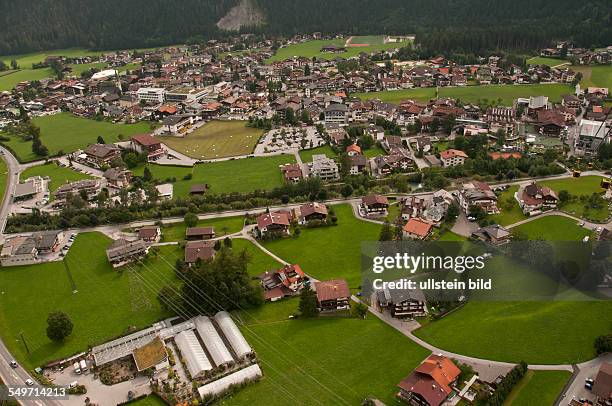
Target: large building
(88, 187)
(185, 95)
(101, 154)
(333, 295)
(336, 113)
(452, 157)
(430, 383)
(122, 252)
(535, 198)
(478, 194)
(591, 134)
(145, 143)
(402, 303)
(25, 249)
(324, 167)
(151, 94)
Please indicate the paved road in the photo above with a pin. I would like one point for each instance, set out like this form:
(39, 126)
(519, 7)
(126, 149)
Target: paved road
(13, 178)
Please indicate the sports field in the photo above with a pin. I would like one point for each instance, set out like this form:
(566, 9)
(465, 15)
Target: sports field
(329, 252)
(539, 60)
(238, 175)
(358, 44)
(67, 133)
(59, 175)
(216, 139)
(328, 360)
(538, 388)
(472, 94)
(30, 292)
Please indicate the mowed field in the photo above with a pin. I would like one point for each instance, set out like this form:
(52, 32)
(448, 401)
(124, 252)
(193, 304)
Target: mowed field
(216, 139)
(595, 76)
(540, 60)
(67, 133)
(538, 388)
(238, 175)
(59, 175)
(472, 94)
(515, 331)
(327, 360)
(329, 252)
(108, 303)
(311, 49)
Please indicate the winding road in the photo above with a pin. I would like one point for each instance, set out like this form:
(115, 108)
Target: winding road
(18, 376)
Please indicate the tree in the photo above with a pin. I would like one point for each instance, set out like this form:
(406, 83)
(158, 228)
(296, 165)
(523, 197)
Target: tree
(146, 175)
(564, 196)
(100, 140)
(603, 344)
(227, 242)
(452, 212)
(308, 303)
(386, 233)
(191, 219)
(477, 212)
(59, 326)
(360, 310)
(346, 190)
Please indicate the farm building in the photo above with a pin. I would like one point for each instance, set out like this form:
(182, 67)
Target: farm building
(232, 334)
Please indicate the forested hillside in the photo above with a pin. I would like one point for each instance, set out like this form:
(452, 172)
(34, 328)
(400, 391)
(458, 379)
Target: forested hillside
(442, 25)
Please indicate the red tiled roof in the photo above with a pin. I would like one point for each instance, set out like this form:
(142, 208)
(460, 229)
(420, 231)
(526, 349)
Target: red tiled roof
(145, 140)
(332, 290)
(417, 227)
(432, 379)
(268, 219)
(451, 153)
(354, 148)
(505, 155)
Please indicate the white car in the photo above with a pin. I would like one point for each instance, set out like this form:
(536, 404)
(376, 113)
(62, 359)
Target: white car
(29, 382)
(13, 364)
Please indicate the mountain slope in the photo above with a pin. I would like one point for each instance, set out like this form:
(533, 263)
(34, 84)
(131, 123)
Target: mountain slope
(463, 25)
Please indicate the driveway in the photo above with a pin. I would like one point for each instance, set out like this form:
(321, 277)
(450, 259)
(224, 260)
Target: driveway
(97, 392)
(463, 226)
(576, 387)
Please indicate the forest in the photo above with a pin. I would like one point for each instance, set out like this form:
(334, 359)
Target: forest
(468, 26)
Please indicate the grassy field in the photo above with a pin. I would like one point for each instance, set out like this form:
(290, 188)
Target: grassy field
(59, 175)
(307, 154)
(552, 228)
(507, 93)
(329, 252)
(247, 174)
(515, 331)
(313, 48)
(222, 225)
(539, 60)
(538, 388)
(328, 360)
(595, 76)
(67, 133)
(260, 261)
(3, 178)
(216, 139)
(29, 293)
(583, 186)
(8, 82)
(508, 215)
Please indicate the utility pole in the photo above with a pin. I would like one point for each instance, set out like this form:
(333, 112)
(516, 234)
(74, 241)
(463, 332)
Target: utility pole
(25, 344)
